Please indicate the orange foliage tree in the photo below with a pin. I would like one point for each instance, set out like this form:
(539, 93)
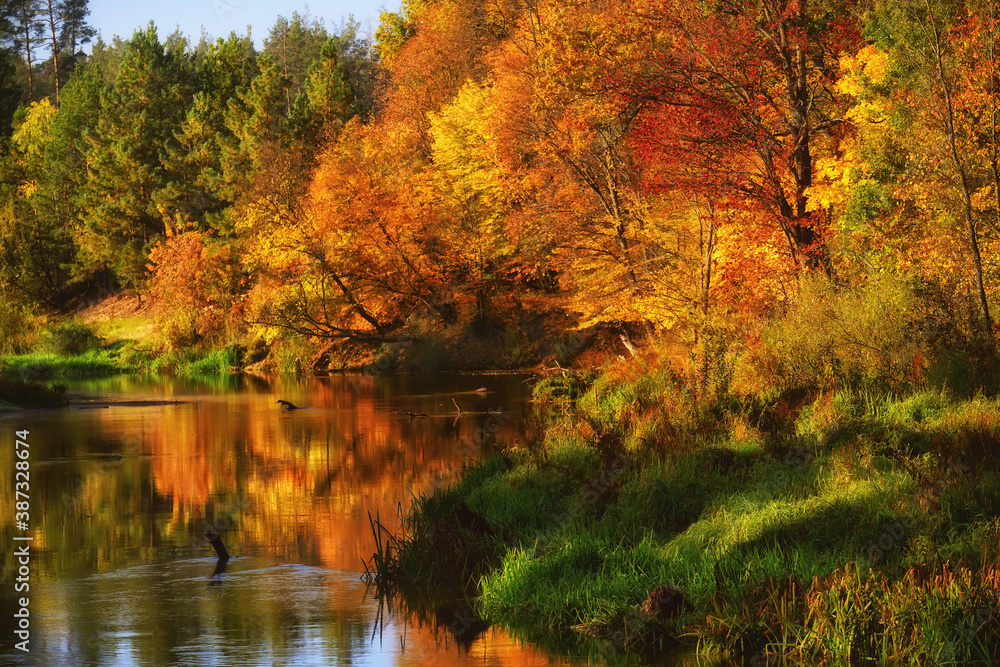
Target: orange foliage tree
(194, 280)
(360, 256)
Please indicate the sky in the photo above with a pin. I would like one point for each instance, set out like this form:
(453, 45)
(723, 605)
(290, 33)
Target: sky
(220, 17)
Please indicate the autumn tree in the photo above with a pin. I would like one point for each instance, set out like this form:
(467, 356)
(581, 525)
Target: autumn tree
(937, 48)
(564, 146)
(266, 168)
(360, 259)
(193, 281)
(754, 82)
(439, 49)
(369, 244)
(467, 185)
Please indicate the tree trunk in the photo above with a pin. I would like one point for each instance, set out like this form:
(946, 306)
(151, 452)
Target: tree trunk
(629, 345)
(963, 180)
(51, 11)
(706, 241)
(28, 53)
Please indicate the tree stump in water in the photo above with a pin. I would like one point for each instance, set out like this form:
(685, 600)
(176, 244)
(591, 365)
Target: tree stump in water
(216, 541)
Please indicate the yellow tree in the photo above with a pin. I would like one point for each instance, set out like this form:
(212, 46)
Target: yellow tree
(36, 247)
(428, 53)
(933, 49)
(466, 184)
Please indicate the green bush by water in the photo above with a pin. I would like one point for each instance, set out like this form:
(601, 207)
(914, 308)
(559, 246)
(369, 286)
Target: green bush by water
(17, 327)
(68, 338)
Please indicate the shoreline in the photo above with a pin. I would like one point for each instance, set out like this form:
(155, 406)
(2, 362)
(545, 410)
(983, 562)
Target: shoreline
(827, 540)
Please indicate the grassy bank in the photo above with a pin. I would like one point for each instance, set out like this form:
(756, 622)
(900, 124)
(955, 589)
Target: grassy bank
(105, 360)
(847, 525)
(109, 338)
(120, 334)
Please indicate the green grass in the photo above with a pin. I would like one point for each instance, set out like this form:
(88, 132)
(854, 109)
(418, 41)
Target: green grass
(91, 363)
(139, 329)
(119, 357)
(799, 526)
(186, 362)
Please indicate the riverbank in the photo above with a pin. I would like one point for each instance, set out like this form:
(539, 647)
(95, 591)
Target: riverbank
(111, 336)
(844, 525)
(120, 334)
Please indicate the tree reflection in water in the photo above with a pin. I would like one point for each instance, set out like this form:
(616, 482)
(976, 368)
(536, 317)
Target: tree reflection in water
(122, 498)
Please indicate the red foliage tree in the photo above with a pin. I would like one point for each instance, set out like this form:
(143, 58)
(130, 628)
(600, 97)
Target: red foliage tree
(736, 101)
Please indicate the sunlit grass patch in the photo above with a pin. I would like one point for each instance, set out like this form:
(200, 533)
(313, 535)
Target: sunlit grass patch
(40, 366)
(139, 329)
(918, 408)
(834, 518)
(577, 580)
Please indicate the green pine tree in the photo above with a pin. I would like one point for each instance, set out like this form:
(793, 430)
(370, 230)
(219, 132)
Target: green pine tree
(198, 191)
(135, 127)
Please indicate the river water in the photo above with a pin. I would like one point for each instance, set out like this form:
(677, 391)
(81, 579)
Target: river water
(125, 483)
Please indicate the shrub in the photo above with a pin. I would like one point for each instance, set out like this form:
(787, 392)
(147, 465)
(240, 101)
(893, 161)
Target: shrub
(560, 390)
(652, 400)
(16, 327)
(833, 337)
(68, 338)
(194, 278)
(291, 355)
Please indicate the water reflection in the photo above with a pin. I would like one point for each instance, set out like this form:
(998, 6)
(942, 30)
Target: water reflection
(123, 494)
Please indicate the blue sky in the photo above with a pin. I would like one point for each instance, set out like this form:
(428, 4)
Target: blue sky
(220, 17)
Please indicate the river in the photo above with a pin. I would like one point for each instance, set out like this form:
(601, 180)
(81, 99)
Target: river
(125, 482)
